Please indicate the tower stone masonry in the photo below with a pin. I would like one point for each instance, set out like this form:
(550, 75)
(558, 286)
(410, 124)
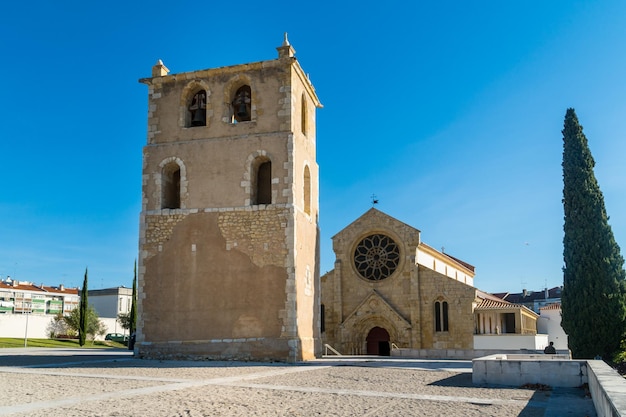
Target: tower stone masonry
(229, 236)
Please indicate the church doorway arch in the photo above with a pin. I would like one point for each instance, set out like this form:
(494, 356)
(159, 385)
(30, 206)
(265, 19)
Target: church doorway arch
(378, 342)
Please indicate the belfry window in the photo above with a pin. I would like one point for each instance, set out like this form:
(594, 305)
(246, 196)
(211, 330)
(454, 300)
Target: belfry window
(242, 105)
(197, 109)
(441, 316)
(170, 186)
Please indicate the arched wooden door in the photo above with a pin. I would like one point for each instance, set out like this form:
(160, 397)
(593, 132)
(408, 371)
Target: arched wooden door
(378, 342)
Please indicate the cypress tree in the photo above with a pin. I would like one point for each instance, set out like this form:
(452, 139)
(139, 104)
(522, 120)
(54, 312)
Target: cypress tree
(133, 306)
(82, 325)
(593, 303)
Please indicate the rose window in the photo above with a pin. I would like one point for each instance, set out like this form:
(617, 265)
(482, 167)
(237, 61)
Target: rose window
(376, 257)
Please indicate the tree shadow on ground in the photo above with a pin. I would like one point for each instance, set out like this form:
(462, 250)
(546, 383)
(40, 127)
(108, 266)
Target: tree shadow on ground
(535, 407)
(460, 380)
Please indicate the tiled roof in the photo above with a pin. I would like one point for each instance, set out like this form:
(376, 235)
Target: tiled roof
(34, 288)
(488, 296)
(531, 296)
(20, 287)
(465, 264)
(493, 303)
(452, 258)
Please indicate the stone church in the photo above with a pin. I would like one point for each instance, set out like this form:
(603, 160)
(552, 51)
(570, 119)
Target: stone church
(389, 290)
(229, 237)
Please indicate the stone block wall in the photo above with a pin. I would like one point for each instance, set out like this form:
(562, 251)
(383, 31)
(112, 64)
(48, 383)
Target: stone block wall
(460, 298)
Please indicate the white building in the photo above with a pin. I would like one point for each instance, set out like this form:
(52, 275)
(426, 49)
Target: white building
(549, 322)
(111, 302)
(22, 297)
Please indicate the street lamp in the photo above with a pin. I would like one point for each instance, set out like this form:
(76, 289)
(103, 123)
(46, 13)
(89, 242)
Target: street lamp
(29, 307)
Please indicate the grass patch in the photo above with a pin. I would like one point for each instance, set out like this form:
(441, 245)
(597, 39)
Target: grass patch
(9, 342)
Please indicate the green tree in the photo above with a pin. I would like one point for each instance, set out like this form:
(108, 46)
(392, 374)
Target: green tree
(129, 320)
(124, 320)
(593, 302)
(82, 325)
(93, 325)
(133, 306)
(58, 327)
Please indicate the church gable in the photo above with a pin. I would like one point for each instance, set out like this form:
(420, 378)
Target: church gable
(374, 219)
(373, 308)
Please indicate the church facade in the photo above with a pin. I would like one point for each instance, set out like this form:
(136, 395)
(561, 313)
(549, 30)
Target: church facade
(389, 290)
(228, 262)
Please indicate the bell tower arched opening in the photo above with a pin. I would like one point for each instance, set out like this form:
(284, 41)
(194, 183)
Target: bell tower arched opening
(261, 181)
(242, 104)
(197, 109)
(170, 191)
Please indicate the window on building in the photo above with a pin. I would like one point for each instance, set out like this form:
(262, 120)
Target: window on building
(307, 190)
(242, 105)
(263, 183)
(441, 316)
(197, 109)
(322, 319)
(170, 186)
(303, 115)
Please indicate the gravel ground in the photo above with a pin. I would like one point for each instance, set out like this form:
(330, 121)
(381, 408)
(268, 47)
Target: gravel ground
(133, 387)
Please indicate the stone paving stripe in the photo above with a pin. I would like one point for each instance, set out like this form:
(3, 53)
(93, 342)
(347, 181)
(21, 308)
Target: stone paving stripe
(65, 364)
(386, 394)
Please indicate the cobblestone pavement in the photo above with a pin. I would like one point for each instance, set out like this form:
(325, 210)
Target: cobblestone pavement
(82, 382)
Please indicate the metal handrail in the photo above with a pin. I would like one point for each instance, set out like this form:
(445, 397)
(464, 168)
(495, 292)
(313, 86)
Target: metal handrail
(329, 347)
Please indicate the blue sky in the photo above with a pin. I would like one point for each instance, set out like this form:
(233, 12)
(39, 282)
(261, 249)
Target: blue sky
(449, 112)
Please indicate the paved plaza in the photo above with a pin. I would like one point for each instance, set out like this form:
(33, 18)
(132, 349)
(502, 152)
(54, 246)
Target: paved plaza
(90, 382)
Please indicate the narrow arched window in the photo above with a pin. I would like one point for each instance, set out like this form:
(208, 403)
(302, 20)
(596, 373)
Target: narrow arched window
(263, 183)
(242, 104)
(303, 115)
(307, 190)
(322, 318)
(197, 109)
(441, 316)
(170, 186)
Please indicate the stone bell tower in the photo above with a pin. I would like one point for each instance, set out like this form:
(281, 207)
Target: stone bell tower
(229, 238)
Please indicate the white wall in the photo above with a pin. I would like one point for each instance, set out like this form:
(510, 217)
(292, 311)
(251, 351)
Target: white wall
(511, 341)
(14, 325)
(549, 323)
(105, 305)
(112, 325)
(517, 370)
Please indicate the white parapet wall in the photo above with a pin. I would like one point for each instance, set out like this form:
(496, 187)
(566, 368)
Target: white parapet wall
(510, 341)
(517, 370)
(608, 389)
